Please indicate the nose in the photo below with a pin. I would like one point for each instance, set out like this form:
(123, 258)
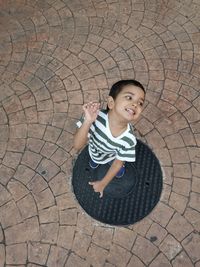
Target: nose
(134, 104)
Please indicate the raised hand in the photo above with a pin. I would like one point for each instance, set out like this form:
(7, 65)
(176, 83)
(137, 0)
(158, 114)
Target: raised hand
(91, 111)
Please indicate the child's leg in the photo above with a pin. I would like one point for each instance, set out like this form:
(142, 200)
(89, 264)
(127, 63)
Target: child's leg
(120, 172)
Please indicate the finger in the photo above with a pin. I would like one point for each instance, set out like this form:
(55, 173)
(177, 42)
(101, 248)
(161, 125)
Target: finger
(90, 183)
(101, 194)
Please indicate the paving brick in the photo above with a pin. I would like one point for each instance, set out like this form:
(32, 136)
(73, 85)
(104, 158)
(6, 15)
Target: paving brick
(16, 254)
(27, 207)
(49, 215)
(178, 202)
(26, 231)
(17, 189)
(24, 174)
(57, 256)
(34, 144)
(192, 115)
(72, 61)
(2, 149)
(51, 134)
(49, 232)
(163, 156)
(193, 217)
(179, 122)
(59, 119)
(183, 104)
(66, 200)
(16, 145)
(44, 73)
(2, 255)
(37, 184)
(11, 105)
(48, 149)
(182, 260)
(59, 96)
(194, 200)
(142, 244)
(170, 247)
(118, 255)
(75, 260)
(169, 96)
(44, 199)
(96, 254)
(160, 260)
(5, 196)
(142, 226)
(102, 236)
(168, 175)
(182, 170)
(165, 127)
(65, 141)
(5, 174)
(75, 97)
(38, 252)
(68, 217)
(144, 126)
(9, 214)
(44, 105)
(36, 130)
(191, 245)
(196, 185)
(166, 194)
(31, 159)
(66, 236)
(156, 234)
(83, 221)
(135, 261)
(58, 184)
(124, 238)
(162, 214)
(188, 92)
(81, 248)
(27, 99)
(12, 159)
(179, 155)
(179, 227)
(48, 169)
(194, 154)
(181, 186)
(1, 235)
(174, 141)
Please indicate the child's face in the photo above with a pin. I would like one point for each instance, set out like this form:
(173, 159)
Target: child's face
(128, 105)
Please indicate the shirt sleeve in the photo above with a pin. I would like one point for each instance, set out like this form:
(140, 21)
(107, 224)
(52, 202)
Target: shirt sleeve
(127, 153)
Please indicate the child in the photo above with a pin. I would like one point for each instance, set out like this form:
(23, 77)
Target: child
(111, 138)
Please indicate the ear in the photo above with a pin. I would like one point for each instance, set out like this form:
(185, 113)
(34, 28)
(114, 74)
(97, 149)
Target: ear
(110, 102)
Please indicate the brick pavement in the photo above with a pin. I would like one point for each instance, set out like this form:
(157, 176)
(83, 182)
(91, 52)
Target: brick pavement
(56, 55)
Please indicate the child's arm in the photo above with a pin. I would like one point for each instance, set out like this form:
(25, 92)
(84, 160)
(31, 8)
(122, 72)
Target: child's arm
(99, 186)
(90, 114)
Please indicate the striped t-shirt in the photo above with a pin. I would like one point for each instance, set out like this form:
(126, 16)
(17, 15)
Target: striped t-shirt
(104, 147)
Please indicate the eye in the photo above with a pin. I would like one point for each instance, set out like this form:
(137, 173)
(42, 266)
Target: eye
(141, 104)
(128, 97)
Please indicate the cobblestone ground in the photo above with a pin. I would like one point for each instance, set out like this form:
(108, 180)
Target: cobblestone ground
(54, 56)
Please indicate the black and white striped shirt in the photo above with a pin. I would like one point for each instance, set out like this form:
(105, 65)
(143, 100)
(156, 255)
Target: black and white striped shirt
(104, 147)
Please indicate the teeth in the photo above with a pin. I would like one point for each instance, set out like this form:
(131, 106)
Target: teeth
(130, 111)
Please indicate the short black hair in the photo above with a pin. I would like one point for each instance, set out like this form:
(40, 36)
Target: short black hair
(118, 86)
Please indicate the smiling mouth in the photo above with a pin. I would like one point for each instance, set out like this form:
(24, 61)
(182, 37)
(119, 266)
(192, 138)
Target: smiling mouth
(130, 111)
